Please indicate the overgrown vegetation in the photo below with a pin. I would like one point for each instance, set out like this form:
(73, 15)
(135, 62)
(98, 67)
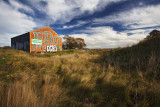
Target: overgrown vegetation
(125, 77)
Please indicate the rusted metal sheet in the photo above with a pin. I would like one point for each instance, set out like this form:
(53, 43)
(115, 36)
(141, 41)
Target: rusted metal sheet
(40, 40)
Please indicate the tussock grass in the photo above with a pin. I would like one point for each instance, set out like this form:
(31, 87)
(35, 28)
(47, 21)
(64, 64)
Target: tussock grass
(78, 78)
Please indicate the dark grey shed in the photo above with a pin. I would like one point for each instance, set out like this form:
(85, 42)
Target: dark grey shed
(21, 42)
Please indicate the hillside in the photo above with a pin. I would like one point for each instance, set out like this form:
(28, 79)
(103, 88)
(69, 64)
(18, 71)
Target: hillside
(123, 77)
(139, 56)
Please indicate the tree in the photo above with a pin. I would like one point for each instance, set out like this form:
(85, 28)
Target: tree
(72, 43)
(153, 34)
(80, 43)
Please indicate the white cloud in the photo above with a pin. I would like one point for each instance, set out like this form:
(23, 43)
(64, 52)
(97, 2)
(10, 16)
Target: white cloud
(37, 4)
(106, 37)
(136, 18)
(13, 22)
(17, 5)
(78, 24)
(62, 11)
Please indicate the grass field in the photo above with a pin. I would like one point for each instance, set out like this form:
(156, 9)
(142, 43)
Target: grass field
(122, 77)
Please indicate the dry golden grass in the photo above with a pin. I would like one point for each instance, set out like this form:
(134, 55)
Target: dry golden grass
(74, 79)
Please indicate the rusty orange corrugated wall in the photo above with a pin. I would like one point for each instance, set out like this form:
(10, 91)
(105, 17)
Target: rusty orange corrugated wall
(43, 46)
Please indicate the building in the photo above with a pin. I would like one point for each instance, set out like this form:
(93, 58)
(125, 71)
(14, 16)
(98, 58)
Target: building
(40, 40)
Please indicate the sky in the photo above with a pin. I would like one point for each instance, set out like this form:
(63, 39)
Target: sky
(101, 23)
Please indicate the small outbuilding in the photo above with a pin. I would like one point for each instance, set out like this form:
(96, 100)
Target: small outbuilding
(40, 40)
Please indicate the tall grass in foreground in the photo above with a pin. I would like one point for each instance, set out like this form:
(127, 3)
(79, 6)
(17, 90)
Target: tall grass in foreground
(75, 79)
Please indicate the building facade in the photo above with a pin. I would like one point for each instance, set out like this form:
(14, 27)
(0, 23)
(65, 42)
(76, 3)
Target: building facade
(40, 40)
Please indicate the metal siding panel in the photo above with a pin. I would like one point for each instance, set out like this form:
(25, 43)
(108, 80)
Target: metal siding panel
(20, 42)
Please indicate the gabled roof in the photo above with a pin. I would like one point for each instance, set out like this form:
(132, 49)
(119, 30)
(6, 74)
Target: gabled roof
(47, 27)
(44, 28)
